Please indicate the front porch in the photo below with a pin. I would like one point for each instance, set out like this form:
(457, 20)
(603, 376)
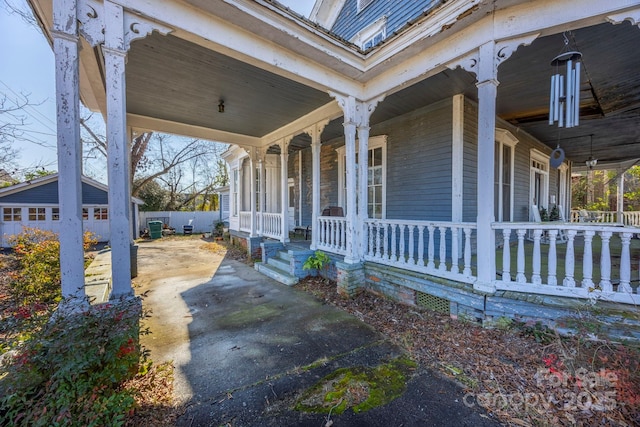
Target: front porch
(591, 262)
(550, 272)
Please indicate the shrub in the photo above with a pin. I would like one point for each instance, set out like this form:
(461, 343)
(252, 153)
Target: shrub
(38, 255)
(69, 372)
(316, 261)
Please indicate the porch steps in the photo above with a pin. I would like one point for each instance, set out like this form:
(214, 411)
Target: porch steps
(278, 269)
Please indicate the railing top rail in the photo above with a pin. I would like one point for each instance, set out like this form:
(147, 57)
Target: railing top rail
(421, 222)
(333, 217)
(584, 226)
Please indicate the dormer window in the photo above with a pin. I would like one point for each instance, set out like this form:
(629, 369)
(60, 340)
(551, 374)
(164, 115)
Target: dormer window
(363, 3)
(372, 35)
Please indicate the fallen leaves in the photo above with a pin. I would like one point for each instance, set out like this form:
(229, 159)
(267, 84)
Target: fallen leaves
(505, 372)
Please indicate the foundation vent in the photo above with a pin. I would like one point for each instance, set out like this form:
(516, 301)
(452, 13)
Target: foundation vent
(433, 303)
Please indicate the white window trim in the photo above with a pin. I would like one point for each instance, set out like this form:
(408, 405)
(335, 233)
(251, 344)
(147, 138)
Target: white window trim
(366, 34)
(540, 157)
(505, 138)
(379, 141)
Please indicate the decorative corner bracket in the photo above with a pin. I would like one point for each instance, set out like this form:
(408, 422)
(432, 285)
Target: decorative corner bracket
(632, 16)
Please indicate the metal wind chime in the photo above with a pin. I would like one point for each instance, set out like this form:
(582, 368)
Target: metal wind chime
(564, 105)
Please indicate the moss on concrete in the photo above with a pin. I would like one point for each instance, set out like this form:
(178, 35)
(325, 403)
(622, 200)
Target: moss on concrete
(359, 388)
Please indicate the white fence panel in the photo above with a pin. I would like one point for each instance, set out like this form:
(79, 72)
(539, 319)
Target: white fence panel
(202, 222)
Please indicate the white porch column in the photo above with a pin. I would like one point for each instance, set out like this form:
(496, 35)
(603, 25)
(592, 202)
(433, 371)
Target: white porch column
(284, 178)
(316, 147)
(65, 46)
(620, 198)
(365, 109)
(118, 151)
(263, 181)
(351, 256)
(487, 92)
(252, 190)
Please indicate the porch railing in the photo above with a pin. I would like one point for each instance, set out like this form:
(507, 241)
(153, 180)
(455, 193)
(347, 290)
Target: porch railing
(441, 249)
(558, 259)
(245, 221)
(332, 234)
(631, 218)
(272, 225)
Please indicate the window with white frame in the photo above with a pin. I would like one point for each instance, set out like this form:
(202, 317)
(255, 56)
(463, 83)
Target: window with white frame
(85, 214)
(12, 214)
(234, 197)
(376, 177)
(37, 214)
(363, 4)
(539, 188)
(55, 214)
(371, 35)
(504, 175)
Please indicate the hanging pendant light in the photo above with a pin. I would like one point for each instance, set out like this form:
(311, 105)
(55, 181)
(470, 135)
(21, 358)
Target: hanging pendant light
(564, 104)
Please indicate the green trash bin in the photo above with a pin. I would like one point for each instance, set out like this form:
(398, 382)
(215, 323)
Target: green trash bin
(155, 229)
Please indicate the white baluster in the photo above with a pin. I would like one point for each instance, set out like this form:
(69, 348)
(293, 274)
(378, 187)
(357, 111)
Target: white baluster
(535, 277)
(520, 277)
(625, 264)
(605, 262)
(412, 259)
(370, 250)
(401, 245)
(378, 232)
(506, 255)
(386, 242)
(394, 242)
(455, 267)
(430, 248)
(587, 260)
(421, 246)
(467, 252)
(552, 260)
(570, 261)
(443, 249)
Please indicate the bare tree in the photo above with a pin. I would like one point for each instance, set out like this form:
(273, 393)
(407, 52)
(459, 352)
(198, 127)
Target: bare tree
(12, 129)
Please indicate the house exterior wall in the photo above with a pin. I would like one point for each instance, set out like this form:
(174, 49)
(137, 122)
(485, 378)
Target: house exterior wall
(48, 193)
(419, 158)
(397, 12)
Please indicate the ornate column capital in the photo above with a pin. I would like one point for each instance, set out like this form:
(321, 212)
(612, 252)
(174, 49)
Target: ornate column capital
(95, 16)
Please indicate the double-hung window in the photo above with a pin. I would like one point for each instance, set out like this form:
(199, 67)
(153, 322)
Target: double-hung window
(376, 177)
(504, 175)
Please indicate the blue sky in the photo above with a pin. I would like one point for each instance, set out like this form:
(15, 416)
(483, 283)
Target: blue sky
(27, 67)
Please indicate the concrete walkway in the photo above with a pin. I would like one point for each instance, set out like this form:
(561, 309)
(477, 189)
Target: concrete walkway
(238, 341)
(97, 277)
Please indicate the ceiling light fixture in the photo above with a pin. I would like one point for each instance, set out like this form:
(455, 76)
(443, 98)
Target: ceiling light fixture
(564, 103)
(221, 106)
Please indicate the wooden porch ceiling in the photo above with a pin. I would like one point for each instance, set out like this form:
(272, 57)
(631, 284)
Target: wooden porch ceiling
(172, 79)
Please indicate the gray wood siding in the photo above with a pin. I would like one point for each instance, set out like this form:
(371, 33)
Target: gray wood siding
(419, 163)
(522, 174)
(398, 13)
(48, 194)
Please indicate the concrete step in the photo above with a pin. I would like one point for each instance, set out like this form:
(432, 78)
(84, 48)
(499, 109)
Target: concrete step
(284, 255)
(276, 274)
(279, 263)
